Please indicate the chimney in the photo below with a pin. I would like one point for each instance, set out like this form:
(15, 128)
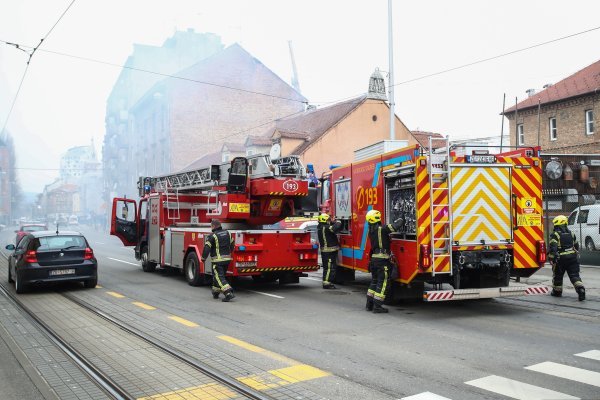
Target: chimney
(530, 92)
(547, 85)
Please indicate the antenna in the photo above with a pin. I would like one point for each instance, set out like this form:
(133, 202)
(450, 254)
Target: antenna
(295, 83)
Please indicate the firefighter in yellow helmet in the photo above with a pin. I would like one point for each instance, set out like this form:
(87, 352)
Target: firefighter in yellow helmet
(328, 240)
(379, 263)
(563, 256)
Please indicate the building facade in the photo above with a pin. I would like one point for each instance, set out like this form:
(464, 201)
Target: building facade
(562, 118)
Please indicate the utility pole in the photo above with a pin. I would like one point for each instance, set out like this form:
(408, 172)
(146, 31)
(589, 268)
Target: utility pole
(391, 76)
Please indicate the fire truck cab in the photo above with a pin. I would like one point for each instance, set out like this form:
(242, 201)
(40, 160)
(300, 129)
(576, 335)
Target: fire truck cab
(470, 221)
(170, 222)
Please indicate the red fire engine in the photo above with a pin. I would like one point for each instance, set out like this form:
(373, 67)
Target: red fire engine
(470, 222)
(172, 219)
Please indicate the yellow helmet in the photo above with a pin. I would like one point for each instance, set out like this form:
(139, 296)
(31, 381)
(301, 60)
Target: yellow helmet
(373, 217)
(324, 217)
(560, 220)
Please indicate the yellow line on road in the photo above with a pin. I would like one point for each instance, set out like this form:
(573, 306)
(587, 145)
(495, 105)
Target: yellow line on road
(184, 321)
(144, 306)
(210, 391)
(98, 287)
(282, 377)
(256, 349)
(115, 294)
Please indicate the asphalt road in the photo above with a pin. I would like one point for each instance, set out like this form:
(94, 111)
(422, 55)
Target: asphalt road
(484, 349)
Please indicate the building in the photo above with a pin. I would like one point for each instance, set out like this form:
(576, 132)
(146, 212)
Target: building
(144, 67)
(562, 118)
(257, 145)
(5, 186)
(229, 151)
(330, 135)
(221, 99)
(76, 162)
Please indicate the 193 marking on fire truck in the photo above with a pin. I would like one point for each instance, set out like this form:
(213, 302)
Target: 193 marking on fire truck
(239, 208)
(366, 197)
(290, 186)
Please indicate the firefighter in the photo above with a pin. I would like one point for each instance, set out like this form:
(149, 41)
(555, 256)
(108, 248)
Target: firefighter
(564, 258)
(219, 246)
(327, 232)
(379, 263)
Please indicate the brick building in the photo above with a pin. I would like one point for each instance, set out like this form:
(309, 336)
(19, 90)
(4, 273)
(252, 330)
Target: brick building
(221, 99)
(567, 118)
(180, 51)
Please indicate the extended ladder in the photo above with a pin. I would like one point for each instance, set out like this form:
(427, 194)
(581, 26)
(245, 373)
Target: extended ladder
(440, 207)
(201, 178)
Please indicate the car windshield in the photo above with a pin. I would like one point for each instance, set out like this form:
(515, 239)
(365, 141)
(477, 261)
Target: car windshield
(59, 242)
(33, 228)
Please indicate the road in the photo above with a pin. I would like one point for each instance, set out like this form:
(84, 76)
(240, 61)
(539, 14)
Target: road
(528, 347)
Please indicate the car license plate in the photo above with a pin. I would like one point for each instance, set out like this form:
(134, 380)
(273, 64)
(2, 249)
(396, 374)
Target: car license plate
(62, 272)
(245, 264)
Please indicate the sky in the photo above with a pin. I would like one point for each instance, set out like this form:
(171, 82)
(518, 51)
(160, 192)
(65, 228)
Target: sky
(337, 45)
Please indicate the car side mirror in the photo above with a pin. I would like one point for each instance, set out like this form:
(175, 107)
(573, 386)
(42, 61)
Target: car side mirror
(10, 247)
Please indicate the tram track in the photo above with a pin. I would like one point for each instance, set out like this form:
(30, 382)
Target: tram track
(102, 379)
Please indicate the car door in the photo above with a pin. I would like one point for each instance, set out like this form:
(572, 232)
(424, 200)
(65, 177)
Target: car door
(17, 255)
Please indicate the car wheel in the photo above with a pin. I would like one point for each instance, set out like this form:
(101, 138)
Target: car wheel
(147, 266)
(192, 270)
(589, 244)
(20, 287)
(90, 283)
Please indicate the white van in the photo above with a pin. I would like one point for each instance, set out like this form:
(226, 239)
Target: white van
(584, 222)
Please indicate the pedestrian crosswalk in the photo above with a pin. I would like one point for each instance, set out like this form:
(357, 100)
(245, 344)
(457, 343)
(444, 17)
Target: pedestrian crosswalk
(515, 389)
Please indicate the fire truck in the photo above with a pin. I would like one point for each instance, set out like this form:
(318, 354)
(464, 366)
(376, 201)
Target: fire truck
(171, 221)
(471, 222)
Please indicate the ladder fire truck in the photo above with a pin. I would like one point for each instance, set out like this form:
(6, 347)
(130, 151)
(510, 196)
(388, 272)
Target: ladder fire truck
(170, 222)
(470, 222)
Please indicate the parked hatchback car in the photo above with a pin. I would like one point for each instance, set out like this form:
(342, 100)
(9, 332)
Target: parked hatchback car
(584, 222)
(46, 257)
(25, 228)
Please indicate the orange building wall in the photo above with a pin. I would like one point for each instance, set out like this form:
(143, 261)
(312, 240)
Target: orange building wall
(356, 131)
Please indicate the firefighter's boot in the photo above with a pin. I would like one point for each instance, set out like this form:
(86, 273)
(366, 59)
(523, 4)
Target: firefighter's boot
(215, 294)
(581, 293)
(228, 296)
(555, 293)
(378, 309)
(329, 286)
(369, 306)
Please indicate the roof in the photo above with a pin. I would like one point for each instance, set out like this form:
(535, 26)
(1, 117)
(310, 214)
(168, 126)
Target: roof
(423, 138)
(258, 141)
(234, 147)
(53, 233)
(580, 83)
(314, 123)
(204, 161)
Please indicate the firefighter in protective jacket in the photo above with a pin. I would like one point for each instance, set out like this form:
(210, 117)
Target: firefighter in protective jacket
(327, 232)
(563, 256)
(219, 246)
(380, 266)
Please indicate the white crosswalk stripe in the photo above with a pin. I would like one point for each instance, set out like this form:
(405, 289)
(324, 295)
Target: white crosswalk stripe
(592, 354)
(425, 396)
(567, 372)
(516, 389)
(525, 391)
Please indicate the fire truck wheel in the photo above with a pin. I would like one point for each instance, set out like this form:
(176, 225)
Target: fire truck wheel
(147, 266)
(192, 270)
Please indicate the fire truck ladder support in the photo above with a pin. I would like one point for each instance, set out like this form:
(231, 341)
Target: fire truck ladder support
(440, 181)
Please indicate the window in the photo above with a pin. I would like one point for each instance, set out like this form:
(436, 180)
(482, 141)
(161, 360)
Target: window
(552, 128)
(520, 135)
(583, 216)
(572, 218)
(589, 122)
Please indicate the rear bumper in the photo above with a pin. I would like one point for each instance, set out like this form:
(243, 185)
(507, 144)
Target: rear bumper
(35, 275)
(485, 293)
(247, 271)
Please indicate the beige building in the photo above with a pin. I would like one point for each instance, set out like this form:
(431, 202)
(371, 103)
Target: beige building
(562, 118)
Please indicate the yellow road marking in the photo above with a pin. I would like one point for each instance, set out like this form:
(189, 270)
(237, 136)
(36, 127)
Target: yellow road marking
(115, 294)
(283, 377)
(184, 321)
(256, 349)
(210, 391)
(299, 373)
(144, 306)
(98, 287)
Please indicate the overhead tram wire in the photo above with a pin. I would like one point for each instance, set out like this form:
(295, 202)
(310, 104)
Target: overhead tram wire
(19, 47)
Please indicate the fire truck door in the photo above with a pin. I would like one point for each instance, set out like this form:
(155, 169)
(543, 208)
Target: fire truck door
(154, 241)
(123, 223)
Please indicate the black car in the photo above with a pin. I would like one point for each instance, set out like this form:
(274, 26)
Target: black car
(46, 256)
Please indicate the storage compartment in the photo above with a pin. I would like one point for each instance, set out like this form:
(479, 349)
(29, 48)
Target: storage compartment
(400, 200)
